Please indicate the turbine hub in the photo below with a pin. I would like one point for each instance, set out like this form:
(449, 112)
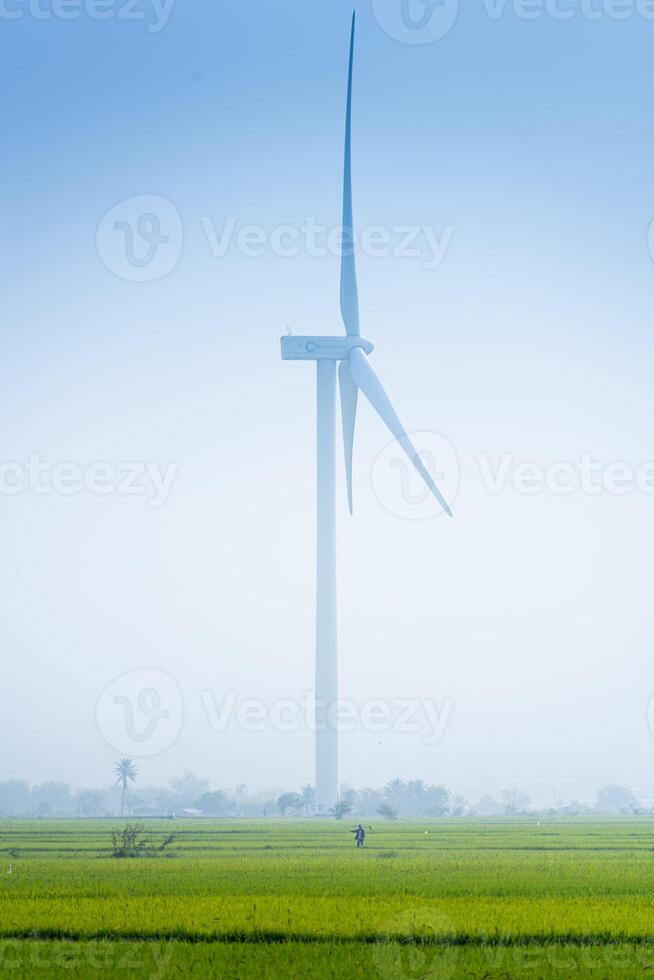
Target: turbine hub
(321, 348)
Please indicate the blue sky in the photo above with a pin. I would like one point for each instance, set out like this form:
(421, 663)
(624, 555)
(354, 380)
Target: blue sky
(532, 142)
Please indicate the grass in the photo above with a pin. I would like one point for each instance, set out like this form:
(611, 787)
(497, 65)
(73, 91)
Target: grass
(285, 899)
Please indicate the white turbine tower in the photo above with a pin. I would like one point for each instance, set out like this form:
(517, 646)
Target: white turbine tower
(355, 374)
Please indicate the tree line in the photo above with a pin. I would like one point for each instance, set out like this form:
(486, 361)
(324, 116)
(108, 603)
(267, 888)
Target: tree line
(188, 795)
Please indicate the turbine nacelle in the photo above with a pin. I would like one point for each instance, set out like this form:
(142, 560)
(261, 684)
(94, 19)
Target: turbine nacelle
(321, 348)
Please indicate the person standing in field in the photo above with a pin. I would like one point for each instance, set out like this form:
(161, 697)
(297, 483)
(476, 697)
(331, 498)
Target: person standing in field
(359, 835)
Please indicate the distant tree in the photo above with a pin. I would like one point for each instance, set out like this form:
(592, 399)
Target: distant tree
(488, 807)
(415, 799)
(388, 811)
(308, 797)
(268, 807)
(154, 800)
(51, 799)
(91, 803)
(395, 795)
(289, 801)
(126, 772)
(369, 800)
(395, 790)
(615, 799)
(436, 801)
(514, 801)
(188, 787)
(341, 809)
(214, 804)
(14, 798)
(458, 806)
(350, 795)
(574, 808)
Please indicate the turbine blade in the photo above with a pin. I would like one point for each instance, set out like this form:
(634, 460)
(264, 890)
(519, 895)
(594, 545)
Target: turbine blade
(366, 379)
(349, 398)
(349, 291)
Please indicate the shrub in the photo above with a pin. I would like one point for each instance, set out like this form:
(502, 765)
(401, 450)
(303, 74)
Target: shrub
(132, 841)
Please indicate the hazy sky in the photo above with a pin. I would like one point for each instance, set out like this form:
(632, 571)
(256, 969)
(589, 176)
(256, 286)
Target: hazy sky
(525, 147)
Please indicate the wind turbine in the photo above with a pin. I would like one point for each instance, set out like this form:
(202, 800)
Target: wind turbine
(355, 373)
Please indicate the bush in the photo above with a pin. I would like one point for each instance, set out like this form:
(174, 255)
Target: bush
(132, 841)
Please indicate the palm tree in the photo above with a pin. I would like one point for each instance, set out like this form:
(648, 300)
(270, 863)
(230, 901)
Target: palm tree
(308, 797)
(126, 772)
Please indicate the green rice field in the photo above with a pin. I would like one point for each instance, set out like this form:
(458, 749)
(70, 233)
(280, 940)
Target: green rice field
(295, 899)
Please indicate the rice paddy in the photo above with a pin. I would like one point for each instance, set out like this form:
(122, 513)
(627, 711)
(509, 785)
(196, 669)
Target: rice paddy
(291, 898)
